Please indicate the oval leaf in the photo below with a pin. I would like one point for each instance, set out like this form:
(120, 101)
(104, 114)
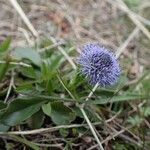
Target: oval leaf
(61, 114)
(47, 109)
(27, 53)
(20, 110)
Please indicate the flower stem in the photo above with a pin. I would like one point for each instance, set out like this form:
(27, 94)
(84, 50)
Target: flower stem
(81, 107)
(91, 128)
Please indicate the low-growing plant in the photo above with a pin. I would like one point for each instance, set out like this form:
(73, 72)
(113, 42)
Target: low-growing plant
(41, 88)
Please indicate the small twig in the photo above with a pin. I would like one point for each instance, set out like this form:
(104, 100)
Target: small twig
(69, 18)
(51, 129)
(10, 86)
(65, 54)
(15, 63)
(138, 143)
(127, 41)
(26, 34)
(109, 138)
(127, 130)
(144, 20)
(121, 5)
(24, 17)
(50, 47)
(127, 138)
(91, 127)
(92, 91)
(49, 145)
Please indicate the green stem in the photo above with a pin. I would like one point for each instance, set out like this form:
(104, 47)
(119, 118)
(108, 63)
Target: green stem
(81, 107)
(91, 128)
(3, 70)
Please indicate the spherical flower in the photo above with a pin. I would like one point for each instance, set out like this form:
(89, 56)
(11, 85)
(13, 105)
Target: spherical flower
(99, 65)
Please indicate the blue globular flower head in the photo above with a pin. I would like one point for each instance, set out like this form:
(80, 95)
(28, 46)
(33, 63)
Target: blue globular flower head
(99, 65)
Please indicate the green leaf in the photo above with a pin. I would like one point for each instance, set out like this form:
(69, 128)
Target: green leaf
(25, 141)
(119, 98)
(55, 62)
(36, 120)
(20, 110)
(29, 54)
(75, 79)
(25, 88)
(5, 45)
(78, 112)
(3, 70)
(49, 66)
(63, 82)
(145, 111)
(2, 105)
(4, 128)
(47, 108)
(61, 114)
(145, 83)
(28, 72)
(135, 121)
(64, 132)
(118, 146)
